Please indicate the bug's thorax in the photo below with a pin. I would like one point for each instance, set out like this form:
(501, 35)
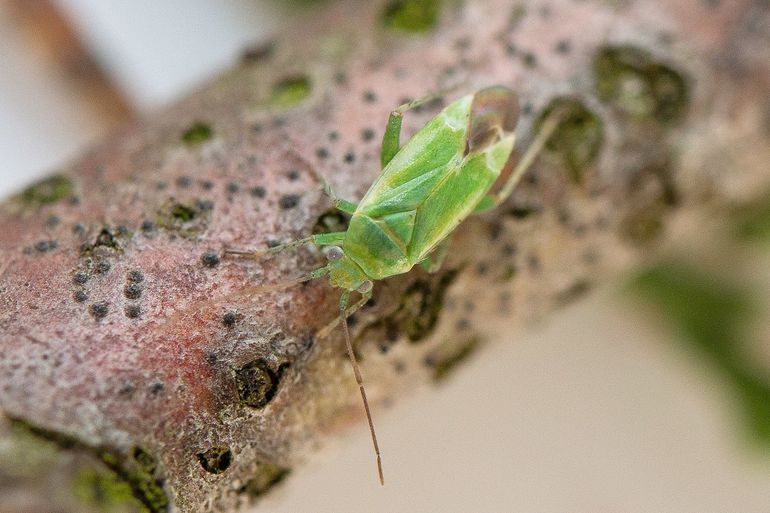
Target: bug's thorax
(346, 274)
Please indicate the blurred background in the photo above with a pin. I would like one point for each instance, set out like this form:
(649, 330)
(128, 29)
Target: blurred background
(651, 395)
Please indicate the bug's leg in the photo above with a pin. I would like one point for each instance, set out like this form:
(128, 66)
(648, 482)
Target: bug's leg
(359, 379)
(324, 332)
(435, 259)
(321, 239)
(547, 129)
(340, 204)
(391, 140)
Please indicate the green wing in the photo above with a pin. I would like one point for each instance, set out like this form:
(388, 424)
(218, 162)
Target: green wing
(456, 197)
(420, 164)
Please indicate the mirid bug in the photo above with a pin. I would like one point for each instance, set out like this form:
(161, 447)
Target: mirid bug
(428, 186)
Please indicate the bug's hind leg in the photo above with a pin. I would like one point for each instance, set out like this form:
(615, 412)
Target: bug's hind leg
(547, 129)
(391, 141)
(321, 239)
(340, 204)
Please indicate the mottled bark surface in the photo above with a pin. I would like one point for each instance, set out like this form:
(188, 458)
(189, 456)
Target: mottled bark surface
(128, 341)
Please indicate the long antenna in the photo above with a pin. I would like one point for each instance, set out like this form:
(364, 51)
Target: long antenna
(360, 381)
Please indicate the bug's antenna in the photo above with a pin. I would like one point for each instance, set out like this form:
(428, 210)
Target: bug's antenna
(360, 381)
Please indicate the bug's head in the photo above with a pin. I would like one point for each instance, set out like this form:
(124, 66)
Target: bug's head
(493, 117)
(344, 272)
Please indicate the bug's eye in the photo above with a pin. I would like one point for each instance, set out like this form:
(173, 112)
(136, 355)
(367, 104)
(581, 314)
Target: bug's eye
(365, 287)
(333, 253)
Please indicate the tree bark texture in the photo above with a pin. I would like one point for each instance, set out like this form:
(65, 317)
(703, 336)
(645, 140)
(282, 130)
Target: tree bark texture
(135, 358)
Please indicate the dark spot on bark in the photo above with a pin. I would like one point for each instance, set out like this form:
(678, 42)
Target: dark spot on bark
(509, 249)
(80, 278)
(322, 153)
(258, 53)
(132, 291)
(293, 175)
(204, 205)
(228, 319)
(334, 135)
(529, 59)
(147, 226)
(288, 201)
(258, 192)
(216, 459)
(207, 185)
(575, 291)
(256, 384)
(156, 387)
(79, 229)
(233, 188)
(482, 268)
(350, 157)
(563, 47)
(522, 211)
(99, 310)
(636, 83)
(197, 133)
(210, 259)
(135, 276)
(367, 134)
(44, 246)
(577, 139)
(210, 357)
(80, 296)
(370, 97)
(102, 267)
(52, 221)
(132, 311)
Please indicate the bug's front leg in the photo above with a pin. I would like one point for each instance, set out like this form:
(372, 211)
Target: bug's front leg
(340, 204)
(321, 239)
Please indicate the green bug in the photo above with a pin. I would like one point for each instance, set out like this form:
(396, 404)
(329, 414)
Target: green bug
(442, 175)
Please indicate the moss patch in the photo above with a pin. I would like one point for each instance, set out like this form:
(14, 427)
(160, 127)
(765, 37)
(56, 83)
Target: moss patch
(267, 476)
(752, 222)
(197, 133)
(636, 83)
(447, 357)
(123, 479)
(184, 219)
(578, 138)
(47, 191)
(291, 91)
(256, 384)
(216, 459)
(416, 16)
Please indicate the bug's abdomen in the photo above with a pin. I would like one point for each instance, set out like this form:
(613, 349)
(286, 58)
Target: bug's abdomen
(379, 245)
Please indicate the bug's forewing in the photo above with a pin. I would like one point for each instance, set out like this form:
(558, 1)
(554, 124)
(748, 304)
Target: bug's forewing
(421, 163)
(456, 197)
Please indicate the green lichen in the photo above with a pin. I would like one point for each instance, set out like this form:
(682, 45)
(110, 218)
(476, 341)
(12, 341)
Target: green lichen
(216, 460)
(578, 138)
(256, 384)
(114, 479)
(183, 219)
(715, 317)
(446, 358)
(103, 489)
(638, 84)
(47, 191)
(752, 222)
(291, 91)
(266, 477)
(197, 133)
(415, 16)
